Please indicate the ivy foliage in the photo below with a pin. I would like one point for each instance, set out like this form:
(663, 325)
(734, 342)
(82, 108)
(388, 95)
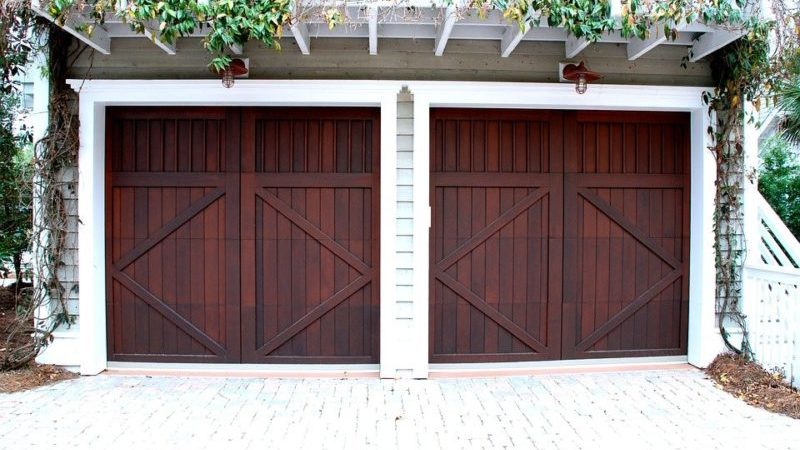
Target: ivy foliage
(230, 23)
(234, 22)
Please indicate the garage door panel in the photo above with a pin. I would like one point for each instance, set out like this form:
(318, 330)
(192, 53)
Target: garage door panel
(494, 224)
(311, 140)
(168, 260)
(627, 235)
(310, 213)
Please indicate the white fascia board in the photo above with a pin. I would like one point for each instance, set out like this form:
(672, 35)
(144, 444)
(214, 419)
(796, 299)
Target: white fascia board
(559, 96)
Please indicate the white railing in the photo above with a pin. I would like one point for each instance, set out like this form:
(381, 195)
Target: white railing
(777, 245)
(771, 292)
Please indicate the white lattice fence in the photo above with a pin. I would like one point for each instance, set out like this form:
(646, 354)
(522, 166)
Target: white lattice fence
(772, 307)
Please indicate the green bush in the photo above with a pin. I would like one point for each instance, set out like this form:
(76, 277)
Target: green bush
(15, 186)
(779, 180)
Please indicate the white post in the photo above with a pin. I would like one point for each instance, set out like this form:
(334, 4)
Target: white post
(389, 346)
(422, 223)
(751, 226)
(91, 236)
(704, 341)
(750, 191)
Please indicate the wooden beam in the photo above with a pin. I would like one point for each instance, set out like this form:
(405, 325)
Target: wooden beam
(444, 30)
(511, 38)
(300, 32)
(98, 40)
(543, 33)
(616, 9)
(710, 42)
(574, 46)
(373, 30)
(638, 47)
(155, 38)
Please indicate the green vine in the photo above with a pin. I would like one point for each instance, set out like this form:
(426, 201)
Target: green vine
(230, 23)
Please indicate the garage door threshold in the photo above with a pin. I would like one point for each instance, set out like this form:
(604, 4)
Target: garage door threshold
(244, 370)
(578, 366)
(437, 371)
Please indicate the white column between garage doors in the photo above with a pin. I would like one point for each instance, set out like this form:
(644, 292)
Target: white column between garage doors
(96, 95)
(704, 342)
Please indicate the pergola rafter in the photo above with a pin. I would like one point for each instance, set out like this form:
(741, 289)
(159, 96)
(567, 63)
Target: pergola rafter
(420, 19)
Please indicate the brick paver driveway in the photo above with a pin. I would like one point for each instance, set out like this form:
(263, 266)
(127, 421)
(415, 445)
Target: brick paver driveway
(648, 410)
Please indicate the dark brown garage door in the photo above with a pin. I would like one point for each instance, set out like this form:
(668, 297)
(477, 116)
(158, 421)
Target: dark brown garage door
(558, 235)
(242, 235)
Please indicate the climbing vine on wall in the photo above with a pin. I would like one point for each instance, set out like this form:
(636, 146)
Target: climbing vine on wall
(43, 307)
(746, 72)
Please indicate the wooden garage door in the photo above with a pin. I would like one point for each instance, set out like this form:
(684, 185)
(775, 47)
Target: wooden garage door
(242, 235)
(558, 235)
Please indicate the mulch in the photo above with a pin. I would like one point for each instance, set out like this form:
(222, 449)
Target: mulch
(750, 382)
(33, 375)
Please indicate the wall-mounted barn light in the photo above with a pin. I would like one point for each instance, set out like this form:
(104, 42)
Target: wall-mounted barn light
(580, 75)
(237, 68)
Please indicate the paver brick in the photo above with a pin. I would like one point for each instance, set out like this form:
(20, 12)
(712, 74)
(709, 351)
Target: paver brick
(652, 410)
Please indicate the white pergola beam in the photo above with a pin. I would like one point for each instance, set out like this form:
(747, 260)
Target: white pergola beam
(300, 32)
(638, 47)
(574, 46)
(511, 38)
(444, 30)
(236, 49)
(99, 39)
(616, 8)
(708, 43)
(373, 31)
(155, 38)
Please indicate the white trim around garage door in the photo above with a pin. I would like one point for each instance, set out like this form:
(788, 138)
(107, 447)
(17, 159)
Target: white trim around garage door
(703, 342)
(96, 95)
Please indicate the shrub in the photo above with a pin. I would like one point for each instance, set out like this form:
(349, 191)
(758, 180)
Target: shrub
(779, 180)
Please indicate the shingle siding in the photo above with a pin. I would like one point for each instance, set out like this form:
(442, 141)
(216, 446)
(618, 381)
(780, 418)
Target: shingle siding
(404, 308)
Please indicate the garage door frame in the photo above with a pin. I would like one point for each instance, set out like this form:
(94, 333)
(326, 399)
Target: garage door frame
(96, 95)
(89, 348)
(703, 343)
